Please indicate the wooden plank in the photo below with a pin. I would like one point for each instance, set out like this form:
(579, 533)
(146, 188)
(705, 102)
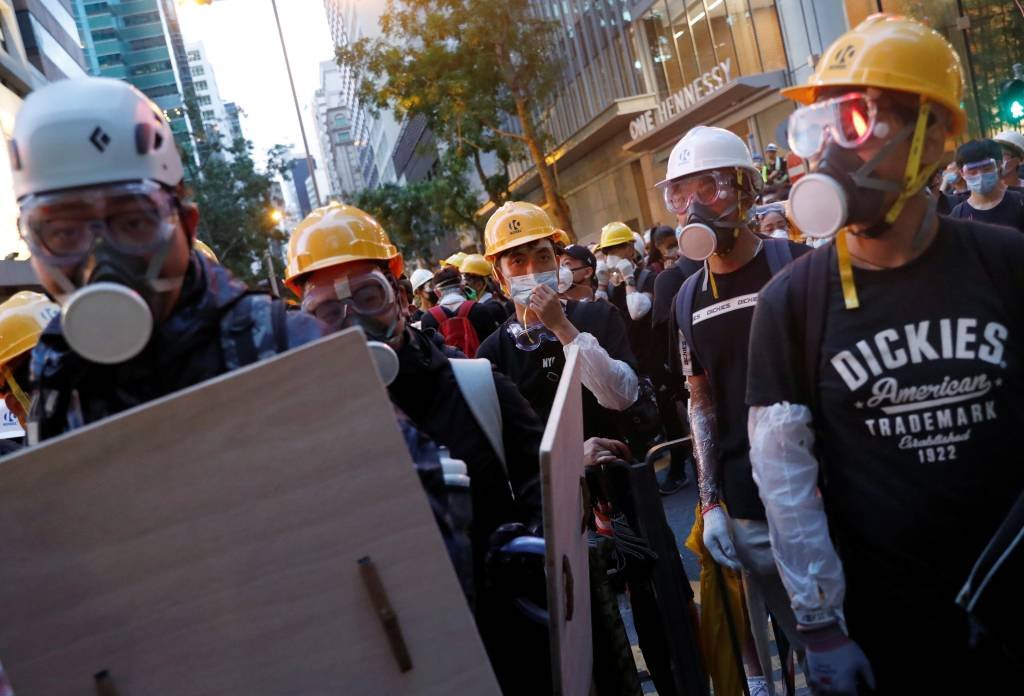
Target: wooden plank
(567, 564)
(207, 543)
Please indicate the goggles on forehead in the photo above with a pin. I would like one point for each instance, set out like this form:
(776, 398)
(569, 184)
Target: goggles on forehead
(63, 228)
(849, 120)
(706, 188)
(983, 167)
(369, 294)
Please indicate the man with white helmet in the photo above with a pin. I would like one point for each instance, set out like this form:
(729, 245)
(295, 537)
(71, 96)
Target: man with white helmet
(712, 183)
(1012, 143)
(103, 208)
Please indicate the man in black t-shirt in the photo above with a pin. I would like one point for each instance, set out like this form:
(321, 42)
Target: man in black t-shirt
(631, 285)
(893, 357)
(990, 201)
(529, 348)
(713, 189)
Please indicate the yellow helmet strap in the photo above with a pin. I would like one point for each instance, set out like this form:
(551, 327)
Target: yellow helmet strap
(914, 177)
(16, 389)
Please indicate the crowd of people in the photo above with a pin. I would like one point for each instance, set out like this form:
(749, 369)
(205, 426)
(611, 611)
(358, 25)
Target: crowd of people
(842, 345)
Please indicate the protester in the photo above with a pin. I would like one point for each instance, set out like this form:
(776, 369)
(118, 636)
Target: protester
(422, 291)
(630, 284)
(712, 182)
(1012, 145)
(463, 323)
(344, 267)
(664, 250)
(476, 277)
(581, 263)
(772, 222)
(111, 232)
(524, 247)
(774, 171)
(877, 378)
(23, 318)
(980, 162)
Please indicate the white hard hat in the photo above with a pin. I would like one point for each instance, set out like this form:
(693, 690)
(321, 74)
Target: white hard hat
(772, 147)
(704, 148)
(638, 244)
(89, 131)
(1011, 138)
(419, 277)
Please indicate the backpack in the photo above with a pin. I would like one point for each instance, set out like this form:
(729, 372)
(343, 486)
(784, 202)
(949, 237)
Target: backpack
(458, 331)
(777, 252)
(253, 329)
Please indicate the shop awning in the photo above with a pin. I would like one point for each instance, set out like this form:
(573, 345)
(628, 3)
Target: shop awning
(713, 107)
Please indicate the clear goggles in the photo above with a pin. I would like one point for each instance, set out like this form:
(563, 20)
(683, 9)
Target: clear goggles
(849, 120)
(706, 188)
(63, 228)
(530, 338)
(986, 166)
(330, 299)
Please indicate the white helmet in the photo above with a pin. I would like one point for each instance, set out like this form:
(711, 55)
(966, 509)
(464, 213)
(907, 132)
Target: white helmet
(707, 147)
(419, 277)
(638, 244)
(1011, 138)
(89, 131)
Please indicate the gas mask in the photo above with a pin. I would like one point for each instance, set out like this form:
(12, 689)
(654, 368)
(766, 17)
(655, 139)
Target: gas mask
(116, 238)
(706, 232)
(366, 300)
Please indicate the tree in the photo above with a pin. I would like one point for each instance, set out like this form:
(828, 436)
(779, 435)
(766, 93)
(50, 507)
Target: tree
(234, 208)
(407, 213)
(473, 68)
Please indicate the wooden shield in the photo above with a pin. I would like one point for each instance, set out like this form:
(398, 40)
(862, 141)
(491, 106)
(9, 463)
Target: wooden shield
(567, 565)
(209, 543)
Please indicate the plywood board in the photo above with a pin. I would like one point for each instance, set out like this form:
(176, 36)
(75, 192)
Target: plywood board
(207, 543)
(567, 565)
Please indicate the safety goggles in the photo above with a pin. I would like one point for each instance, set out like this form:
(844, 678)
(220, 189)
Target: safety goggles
(986, 166)
(849, 120)
(706, 188)
(63, 228)
(529, 338)
(368, 294)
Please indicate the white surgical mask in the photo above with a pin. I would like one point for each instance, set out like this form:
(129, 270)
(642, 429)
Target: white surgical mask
(520, 287)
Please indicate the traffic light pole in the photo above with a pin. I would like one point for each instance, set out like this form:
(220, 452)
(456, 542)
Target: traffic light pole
(298, 111)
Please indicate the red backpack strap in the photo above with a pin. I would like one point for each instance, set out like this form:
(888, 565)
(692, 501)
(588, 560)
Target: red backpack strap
(465, 308)
(439, 315)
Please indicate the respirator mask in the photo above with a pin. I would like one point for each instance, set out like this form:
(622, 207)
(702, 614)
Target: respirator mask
(841, 190)
(706, 232)
(116, 238)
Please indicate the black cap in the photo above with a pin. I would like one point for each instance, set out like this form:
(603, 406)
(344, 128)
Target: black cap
(581, 253)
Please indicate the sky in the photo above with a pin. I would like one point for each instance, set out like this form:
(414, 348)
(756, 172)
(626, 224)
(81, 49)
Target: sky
(242, 46)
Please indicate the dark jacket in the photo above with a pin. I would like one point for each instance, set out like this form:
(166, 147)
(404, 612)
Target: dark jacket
(184, 350)
(427, 392)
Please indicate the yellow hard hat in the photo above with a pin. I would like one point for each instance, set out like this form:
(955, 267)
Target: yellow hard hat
(517, 223)
(891, 52)
(476, 264)
(337, 234)
(455, 260)
(204, 249)
(615, 233)
(22, 319)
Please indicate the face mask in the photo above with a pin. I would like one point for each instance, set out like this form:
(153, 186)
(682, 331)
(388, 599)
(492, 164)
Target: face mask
(470, 293)
(706, 234)
(564, 279)
(841, 192)
(520, 287)
(949, 178)
(780, 234)
(983, 183)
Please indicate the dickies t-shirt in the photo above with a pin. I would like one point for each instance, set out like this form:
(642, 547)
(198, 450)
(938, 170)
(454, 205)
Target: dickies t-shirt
(721, 331)
(921, 392)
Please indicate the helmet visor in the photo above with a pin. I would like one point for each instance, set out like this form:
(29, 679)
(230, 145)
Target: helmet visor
(849, 120)
(63, 227)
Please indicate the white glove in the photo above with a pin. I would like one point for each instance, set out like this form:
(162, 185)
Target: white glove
(626, 268)
(717, 538)
(603, 272)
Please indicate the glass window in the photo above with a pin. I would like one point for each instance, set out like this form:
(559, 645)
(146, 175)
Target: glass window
(201, 85)
(690, 17)
(203, 100)
(193, 55)
(768, 34)
(682, 39)
(747, 56)
(660, 51)
(198, 70)
(143, 18)
(859, 10)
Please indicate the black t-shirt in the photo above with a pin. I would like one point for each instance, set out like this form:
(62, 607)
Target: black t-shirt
(638, 330)
(920, 393)
(721, 331)
(537, 372)
(664, 338)
(1009, 212)
(484, 319)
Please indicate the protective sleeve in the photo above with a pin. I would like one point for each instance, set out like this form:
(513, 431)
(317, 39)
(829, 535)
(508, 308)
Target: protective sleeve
(639, 304)
(786, 473)
(703, 430)
(613, 382)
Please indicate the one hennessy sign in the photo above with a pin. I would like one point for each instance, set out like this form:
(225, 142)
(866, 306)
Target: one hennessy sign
(261, 533)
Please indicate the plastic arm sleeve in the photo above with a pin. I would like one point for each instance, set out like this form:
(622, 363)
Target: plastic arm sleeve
(786, 473)
(612, 382)
(638, 304)
(704, 433)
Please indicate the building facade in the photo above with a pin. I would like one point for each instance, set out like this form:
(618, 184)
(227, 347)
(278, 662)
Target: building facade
(234, 121)
(335, 124)
(218, 125)
(139, 41)
(298, 188)
(50, 36)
